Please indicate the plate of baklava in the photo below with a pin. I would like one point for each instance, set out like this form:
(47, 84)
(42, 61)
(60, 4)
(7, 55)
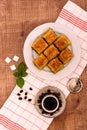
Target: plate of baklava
(51, 51)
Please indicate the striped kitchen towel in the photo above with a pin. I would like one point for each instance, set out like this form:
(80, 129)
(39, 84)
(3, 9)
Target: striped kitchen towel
(18, 112)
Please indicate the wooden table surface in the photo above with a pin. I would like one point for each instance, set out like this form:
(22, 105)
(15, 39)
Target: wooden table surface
(17, 19)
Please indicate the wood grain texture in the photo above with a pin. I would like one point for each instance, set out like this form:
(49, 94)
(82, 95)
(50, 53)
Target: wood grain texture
(17, 19)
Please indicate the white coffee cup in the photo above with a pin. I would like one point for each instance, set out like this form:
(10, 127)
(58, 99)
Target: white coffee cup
(50, 103)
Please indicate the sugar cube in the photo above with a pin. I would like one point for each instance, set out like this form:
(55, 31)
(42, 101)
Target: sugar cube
(13, 67)
(7, 60)
(15, 58)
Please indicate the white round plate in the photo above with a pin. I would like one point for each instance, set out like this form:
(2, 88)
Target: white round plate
(29, 53)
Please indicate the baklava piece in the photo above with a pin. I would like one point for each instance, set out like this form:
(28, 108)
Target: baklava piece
(39, 45)
(50, 36)
(62, 42)
(51, 52)
(65, 55)
(41, 61)
(55, 65)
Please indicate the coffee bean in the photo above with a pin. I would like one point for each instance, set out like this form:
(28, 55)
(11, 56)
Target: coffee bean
(30, 88)
(57, 94)
(43, 112)
(21, 91)
(18, 94)
(60, 103)
(29, 100)
(25, 97)
(40, 106)
(39, 101)
(20, 98)
(41, 96)
(51, 114)
(26, 93)
(49, 91)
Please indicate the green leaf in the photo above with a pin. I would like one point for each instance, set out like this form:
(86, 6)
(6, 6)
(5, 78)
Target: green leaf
(24, 74)
(16, 74)
(20, 82)
(21, 67)
(20, 73)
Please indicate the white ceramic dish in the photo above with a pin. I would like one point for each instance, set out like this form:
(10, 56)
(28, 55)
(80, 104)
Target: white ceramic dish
(29, 54)
(45, 92)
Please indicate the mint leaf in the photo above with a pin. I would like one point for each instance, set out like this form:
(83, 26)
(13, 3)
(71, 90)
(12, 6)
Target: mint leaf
(16, 74)
(24, 74)
(20, 73)
(20, 82)
(21, 67)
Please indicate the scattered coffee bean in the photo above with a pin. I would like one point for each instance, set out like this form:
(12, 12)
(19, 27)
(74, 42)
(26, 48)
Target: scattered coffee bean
(18, 94)
(29, 100)
(21, 91)
(30, 88)
(25, 97)
(26, 93)
(20, 98)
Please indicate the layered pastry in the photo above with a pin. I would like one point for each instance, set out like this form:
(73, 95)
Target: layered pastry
(41, 61)
(55, 65)
(66, 55)
(51, 52)
(50, 36)
(39, 45)
(62, 42)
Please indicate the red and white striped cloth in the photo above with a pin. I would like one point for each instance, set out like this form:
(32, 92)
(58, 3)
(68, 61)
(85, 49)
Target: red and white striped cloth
(21, 114)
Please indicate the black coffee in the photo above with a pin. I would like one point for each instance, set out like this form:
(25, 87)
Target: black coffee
(50, 103)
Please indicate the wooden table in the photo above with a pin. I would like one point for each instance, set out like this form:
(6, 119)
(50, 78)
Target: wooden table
(17, 19)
